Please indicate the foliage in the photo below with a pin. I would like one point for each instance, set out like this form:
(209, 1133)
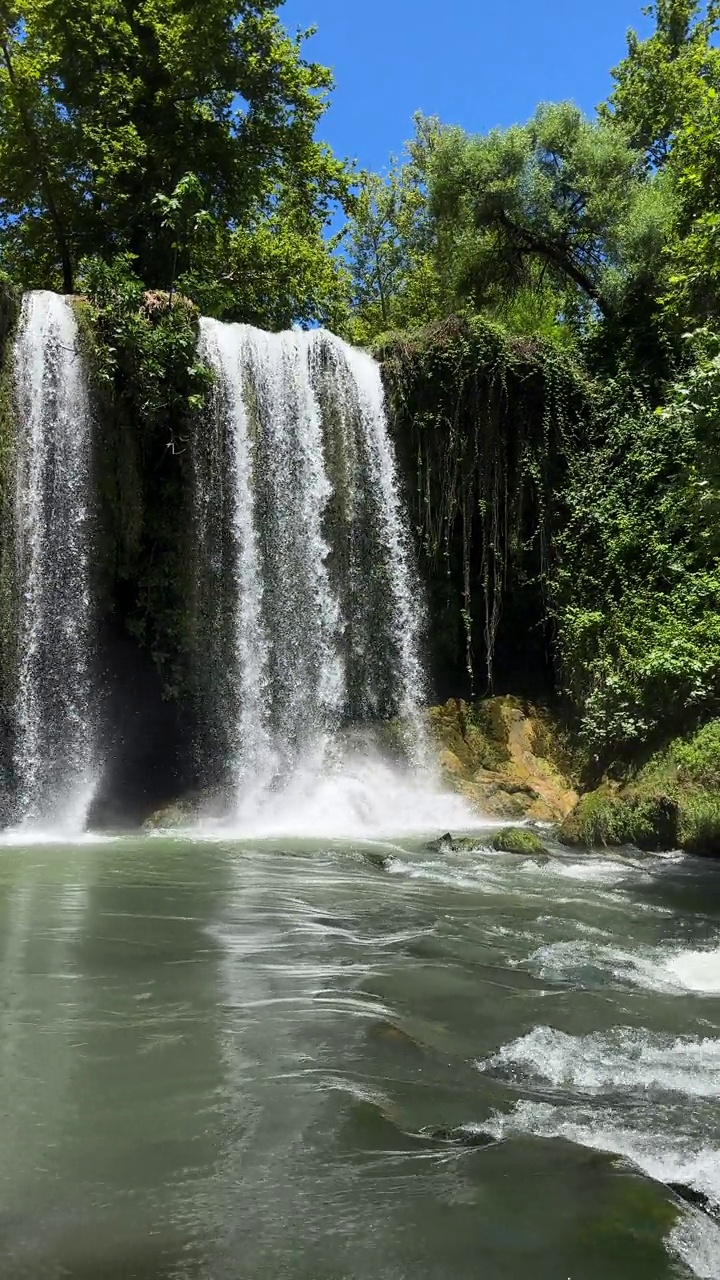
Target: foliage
(483, 420)
(664, 80)
(159, 128)
(389, 244)
(151, 388)
(698, 760)
(275, 272)
(666, 102)
(560, 202)
(693, 291)
(149, 337)
(636, 590)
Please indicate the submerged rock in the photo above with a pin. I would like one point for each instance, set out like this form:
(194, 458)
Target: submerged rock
(376, 859)
(170, 818)
(445, 844)
(690, 1194)
(391, 1034)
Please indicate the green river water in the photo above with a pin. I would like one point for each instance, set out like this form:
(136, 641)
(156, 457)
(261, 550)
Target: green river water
(252, 1062)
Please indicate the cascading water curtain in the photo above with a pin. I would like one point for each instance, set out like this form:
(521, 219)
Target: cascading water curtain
(314, 609)
(55, 748)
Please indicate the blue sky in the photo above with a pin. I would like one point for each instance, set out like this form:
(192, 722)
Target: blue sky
(477, 63)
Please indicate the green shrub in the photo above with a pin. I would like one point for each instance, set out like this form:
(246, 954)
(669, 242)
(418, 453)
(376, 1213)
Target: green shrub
(698, 760)
(700, 824)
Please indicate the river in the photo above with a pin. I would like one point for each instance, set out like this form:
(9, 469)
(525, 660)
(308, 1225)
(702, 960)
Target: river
(286, 1059)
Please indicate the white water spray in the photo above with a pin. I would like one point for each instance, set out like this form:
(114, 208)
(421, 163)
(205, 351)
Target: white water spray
(55, 751)
(319, 581)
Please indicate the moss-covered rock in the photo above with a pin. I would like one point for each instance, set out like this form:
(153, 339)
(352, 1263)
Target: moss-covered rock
(520, 840)
(611, 817)
(149, 390)
(517, 840)
(504, 756)
(672, 802)
(457, 844)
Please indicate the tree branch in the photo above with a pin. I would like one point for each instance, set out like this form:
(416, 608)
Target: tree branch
(530, 242)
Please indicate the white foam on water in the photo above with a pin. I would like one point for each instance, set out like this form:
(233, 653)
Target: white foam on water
(661, 969)
(681, 1158)
(620, 1059)
(26, 837)
(696, 1241)
(695, 970)
(361, 798)
(593, 871)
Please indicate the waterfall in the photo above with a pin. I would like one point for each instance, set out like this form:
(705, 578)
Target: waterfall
(54, 728)
(312, 614)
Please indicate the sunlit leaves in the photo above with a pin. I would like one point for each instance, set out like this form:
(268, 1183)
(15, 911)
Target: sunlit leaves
(134, 105)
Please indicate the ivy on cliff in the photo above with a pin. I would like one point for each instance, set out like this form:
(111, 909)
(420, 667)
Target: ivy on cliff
(637, 587)
(485, 422)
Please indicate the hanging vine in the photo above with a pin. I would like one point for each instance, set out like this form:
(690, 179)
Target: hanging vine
(483, 422)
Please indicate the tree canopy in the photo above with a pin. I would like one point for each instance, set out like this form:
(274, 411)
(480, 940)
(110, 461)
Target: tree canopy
(178, 131)
(556, 200)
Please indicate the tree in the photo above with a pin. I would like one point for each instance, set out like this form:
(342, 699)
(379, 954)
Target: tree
(556, 202)
(107, 105)
(693, 295)
(664, 79)
(30, 130)
(278, 269)
(389, 243)
(666, 100)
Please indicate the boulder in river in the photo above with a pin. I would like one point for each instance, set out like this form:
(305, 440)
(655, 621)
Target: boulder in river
(522, 840)
(517, 840)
